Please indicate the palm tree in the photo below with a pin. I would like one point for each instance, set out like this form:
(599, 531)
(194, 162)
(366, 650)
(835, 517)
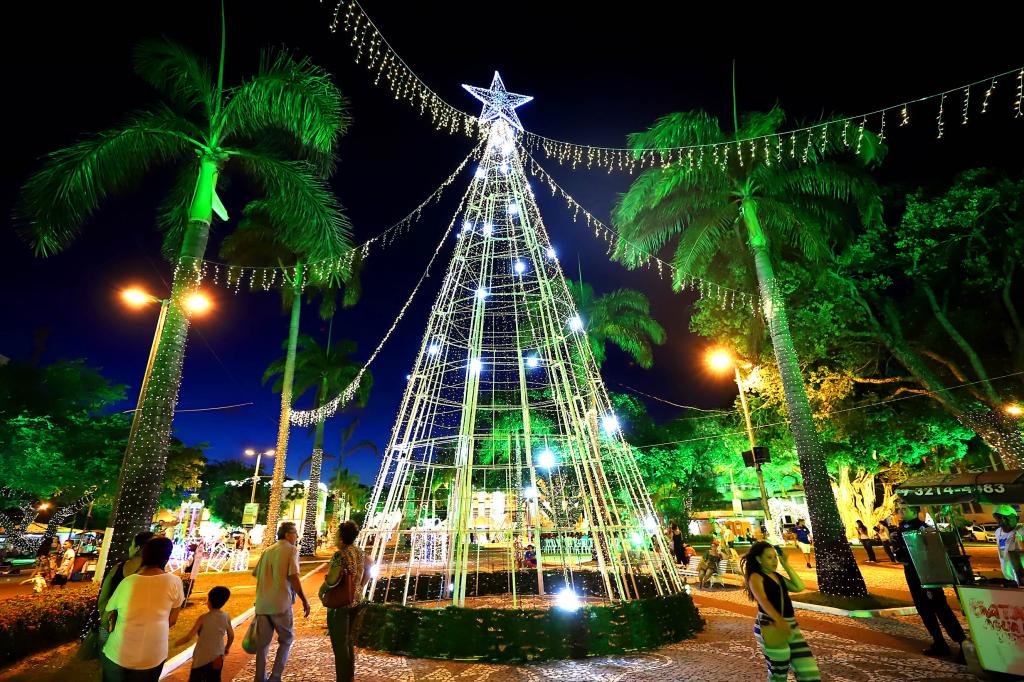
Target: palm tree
(278, 128)
(769, 203)
(346, 487)
(257, 242)
(622, 318)
(346, 449)
(329, 370)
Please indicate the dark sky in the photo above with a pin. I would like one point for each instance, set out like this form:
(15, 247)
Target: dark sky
(596, 74)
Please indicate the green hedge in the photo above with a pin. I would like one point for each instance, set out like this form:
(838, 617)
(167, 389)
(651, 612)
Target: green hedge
(32, 623)
(511, 635)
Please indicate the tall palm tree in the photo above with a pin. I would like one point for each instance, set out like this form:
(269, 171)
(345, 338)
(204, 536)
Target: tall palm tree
(345, 449)
(278, 128)
(328, 369)
(346, 487)
(622, 317)
(257, 242)
(771, 204)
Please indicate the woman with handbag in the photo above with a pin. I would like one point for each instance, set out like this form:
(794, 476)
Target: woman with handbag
(349, 570)
(775, 629)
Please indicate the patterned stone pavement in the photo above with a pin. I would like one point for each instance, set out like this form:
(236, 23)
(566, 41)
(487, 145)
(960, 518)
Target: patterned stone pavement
(724, 652)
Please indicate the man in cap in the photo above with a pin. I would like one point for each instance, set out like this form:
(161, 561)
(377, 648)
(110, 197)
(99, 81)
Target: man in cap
(1009, 542)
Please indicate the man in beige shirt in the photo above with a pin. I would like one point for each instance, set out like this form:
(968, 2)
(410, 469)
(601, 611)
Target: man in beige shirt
(277, 584)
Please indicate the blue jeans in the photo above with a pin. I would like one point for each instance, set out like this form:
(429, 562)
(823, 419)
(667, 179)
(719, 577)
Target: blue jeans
(284, 625)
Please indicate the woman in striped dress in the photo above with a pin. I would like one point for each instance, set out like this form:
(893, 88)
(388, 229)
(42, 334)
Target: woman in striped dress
(775, 629)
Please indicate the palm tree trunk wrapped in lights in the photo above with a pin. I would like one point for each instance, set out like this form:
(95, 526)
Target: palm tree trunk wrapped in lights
(278, 127)
(761, 200)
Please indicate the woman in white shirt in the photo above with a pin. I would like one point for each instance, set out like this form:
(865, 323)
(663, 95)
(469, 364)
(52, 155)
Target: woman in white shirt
(141, 612)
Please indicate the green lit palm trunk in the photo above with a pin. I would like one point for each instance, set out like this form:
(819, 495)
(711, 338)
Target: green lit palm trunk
(145, 458)
(283, 424)
(837, 570)
(309, 530)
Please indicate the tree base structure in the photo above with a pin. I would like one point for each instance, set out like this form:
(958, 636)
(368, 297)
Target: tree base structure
(503, 635)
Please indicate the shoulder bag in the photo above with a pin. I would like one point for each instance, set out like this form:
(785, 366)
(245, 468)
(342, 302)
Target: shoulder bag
(341, 594)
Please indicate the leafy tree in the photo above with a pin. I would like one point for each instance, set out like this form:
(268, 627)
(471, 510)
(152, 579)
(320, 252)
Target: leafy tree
(948, 272)
(621, 318)
(715, 209)
(226, 489)
(186, 465)
(278, 128)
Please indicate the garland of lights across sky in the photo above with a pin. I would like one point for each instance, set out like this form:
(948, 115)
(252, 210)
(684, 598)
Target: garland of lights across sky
(505, 438)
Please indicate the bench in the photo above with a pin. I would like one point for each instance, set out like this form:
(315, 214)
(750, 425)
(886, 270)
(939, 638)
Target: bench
(689, 569)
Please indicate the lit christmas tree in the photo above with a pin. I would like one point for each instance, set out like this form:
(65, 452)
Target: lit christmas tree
(506, 473)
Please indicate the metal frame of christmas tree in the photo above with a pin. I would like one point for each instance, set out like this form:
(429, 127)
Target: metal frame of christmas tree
(506, 437)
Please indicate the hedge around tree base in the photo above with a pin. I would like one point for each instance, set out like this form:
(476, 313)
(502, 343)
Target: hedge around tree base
(513, 635)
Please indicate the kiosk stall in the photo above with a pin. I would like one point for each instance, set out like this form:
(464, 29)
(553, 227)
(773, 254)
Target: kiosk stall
(994, 611)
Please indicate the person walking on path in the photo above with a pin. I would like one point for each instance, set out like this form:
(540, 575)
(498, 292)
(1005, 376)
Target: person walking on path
(139, 615)
(883, 538)
(677, 544)
(931, 603)
(803, 540)
(211, 628)
(865, 540)
(128, 567)
(775, 629)
(67, 565)
(277, 585)
(348, 563)
(1009, 542)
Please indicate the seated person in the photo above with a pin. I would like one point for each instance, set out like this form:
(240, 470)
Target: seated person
(709, 563)
(530, 556)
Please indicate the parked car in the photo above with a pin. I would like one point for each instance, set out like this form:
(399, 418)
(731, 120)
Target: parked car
(980, 532)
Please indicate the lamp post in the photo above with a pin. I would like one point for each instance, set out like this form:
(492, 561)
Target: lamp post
(722, 360)
(256, 476)
(196, 303)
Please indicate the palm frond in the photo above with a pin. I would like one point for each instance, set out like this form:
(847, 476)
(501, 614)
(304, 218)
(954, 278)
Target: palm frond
(177, 72)
(292, 96)
(364, 445)
(172, 214)
(65, 192)
(680, 129)
(761, 123)
(701, 241)
(299, 204)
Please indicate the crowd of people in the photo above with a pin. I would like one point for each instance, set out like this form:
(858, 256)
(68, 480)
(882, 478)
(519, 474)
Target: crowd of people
(140, 600)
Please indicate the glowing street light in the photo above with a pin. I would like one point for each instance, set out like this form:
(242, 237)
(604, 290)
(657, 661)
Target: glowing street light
(1014, 410)
(197, 303)
(546, 459)
(721, 360)
(256, 476)
(136, 297)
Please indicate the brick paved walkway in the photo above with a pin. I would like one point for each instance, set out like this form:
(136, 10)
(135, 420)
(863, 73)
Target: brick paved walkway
(847, 649)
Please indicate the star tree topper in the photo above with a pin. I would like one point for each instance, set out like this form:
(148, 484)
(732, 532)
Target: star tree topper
(499, 103)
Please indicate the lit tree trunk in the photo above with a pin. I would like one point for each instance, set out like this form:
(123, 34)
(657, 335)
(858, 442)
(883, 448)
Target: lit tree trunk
(283, 425)
(309, 530)
(837, 570)
(145, 458)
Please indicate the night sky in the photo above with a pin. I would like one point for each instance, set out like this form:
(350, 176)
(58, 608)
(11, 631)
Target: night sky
(596, 75)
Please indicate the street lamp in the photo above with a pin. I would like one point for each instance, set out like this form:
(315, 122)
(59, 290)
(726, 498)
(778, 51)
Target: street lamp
(256, 476)
(1014, 410)
(721, 360)
(135, 297)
